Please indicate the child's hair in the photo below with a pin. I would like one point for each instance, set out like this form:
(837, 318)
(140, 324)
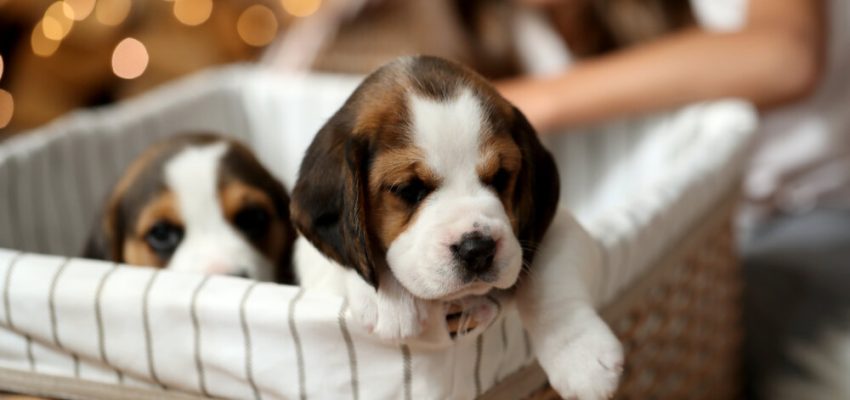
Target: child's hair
(593, 27)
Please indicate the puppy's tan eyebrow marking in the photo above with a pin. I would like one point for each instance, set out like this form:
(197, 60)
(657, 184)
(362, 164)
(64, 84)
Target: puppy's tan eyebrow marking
(163, 207)
(498, 152)
(397, 166)
(236, 194)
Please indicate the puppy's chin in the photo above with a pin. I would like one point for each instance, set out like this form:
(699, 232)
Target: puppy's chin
(473, 289)
(214, 257)
(425, 276)
(258, 269)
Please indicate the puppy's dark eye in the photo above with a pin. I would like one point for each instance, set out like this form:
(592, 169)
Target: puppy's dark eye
(164, 237)
(412, 192)
(253, 221)
(500, 180)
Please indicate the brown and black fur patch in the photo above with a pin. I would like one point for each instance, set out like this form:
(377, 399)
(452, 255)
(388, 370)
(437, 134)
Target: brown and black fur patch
(392, 168)
(243, 181)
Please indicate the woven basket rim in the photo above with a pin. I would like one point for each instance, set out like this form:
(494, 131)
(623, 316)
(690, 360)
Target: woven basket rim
(532, 377)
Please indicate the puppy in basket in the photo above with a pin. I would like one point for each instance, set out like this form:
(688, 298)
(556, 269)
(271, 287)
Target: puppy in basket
(428, 193)
(198, 202)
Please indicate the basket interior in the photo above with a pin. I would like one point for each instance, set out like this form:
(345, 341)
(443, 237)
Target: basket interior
(636, 185)
(55, 180)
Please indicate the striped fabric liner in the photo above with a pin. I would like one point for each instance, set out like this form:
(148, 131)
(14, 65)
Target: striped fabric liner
(218, 336)
(634, 184)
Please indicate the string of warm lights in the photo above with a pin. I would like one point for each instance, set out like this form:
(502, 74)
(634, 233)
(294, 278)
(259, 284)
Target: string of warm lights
(257, 25)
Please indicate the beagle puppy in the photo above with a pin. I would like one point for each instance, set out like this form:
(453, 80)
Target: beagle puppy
(428, 190)
(201, 203)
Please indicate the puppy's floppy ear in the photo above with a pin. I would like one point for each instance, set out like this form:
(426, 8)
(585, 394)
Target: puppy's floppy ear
(537, 188)
(106, 238)
(285, 273)
(329, 201)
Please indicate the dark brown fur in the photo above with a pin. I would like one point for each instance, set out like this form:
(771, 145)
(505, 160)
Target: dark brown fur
(594, 27)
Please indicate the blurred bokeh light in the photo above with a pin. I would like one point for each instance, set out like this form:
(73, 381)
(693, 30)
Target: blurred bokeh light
(58, 21)
(301, 8)
(41, 44)
(193, 12)
(257, 25)
(81, 8)
(112, 12)
(130, 59)
(7, 108)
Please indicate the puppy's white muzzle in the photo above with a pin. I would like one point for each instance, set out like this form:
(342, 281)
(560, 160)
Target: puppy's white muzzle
(456, 247)
(220, 253)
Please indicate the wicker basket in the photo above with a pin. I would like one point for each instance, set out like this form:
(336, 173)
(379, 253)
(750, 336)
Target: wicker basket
(680, 323)
(638, 186)
(681, 327)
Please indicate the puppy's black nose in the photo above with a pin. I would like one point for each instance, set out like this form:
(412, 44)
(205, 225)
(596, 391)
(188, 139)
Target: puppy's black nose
(475, 252)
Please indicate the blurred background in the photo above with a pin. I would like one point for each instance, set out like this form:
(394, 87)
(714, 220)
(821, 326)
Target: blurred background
(56, 56)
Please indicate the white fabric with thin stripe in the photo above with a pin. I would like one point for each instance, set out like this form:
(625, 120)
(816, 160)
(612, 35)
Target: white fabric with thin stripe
(636, 185)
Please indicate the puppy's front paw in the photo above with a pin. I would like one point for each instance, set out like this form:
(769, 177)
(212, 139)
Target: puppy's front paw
(588, 364)
(399, 320)
(471, 314)
(389, 313)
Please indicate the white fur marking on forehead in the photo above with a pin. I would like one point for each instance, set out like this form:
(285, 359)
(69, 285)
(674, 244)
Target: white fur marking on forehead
(193, 177)
(450, 134)
(449, 131)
